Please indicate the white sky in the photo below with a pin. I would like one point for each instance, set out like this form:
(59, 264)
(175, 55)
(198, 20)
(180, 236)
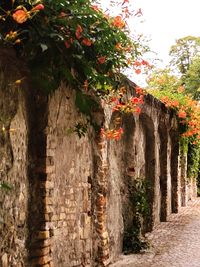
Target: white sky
(163, 22)
(168, 20)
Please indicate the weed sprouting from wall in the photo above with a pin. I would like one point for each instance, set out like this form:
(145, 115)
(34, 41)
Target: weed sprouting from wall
(134, 240)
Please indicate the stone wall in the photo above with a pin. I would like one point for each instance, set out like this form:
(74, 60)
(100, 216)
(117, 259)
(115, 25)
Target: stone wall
(69, 170)
(71, 203)
(13, 164)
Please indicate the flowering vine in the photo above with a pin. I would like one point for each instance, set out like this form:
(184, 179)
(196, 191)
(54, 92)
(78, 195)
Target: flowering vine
(76, 42)
(187, 109)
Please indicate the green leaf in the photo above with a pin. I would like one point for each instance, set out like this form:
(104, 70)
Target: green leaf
(85, 103)
(5, 186)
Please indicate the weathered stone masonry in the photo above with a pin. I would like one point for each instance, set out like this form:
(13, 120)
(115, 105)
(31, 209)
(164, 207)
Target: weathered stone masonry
(70, 203)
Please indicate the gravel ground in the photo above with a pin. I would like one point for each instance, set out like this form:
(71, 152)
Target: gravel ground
(175, 243)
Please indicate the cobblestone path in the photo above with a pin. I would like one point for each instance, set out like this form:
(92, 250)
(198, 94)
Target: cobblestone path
(175, 243)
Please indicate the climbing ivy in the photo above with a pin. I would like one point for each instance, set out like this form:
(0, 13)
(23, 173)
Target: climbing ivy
(134, 240)
(193, 162)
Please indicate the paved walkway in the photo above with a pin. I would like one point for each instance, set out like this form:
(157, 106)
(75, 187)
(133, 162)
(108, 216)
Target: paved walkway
(175, 243)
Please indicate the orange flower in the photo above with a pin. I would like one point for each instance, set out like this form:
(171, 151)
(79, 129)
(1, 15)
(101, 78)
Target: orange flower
(175, 103)
(180, 89)
(87, 42)
(118, 22)
(128, 61)
(137, 63)
(102, 59)
(118, 46)
(20, 16)
(112, 133)
(182, 114)
(138, 71)
(78, 32)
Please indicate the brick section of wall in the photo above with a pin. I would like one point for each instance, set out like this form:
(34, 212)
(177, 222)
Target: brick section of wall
(101, 251)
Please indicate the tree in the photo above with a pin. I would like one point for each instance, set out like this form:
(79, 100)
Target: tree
(163, 80)
(183, 53)
(191, 79)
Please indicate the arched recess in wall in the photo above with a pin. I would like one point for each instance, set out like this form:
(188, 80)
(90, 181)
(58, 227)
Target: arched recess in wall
(149, 136)
(163, 135)
(127, 191)
(121, 168)
(174, 169)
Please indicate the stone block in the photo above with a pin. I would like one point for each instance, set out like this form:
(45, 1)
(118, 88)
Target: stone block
(51, 152)
(49, 209)
(42, 235)
(40, 252)
(4, 260)
(55, 217)
(62, 216)
(40, 261)
(50, 169)
(51, 264)
(48, 200)
(22, 216)
(49, 184)
(43, 243)
(104, 235)
(56, 232)
(47, 217)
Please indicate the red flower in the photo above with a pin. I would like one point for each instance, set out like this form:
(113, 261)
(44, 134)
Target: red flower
(102, 59)
(78, 32)
(139, 90)
(67, 44)
(138, 110)
(135, 100)
(87, 42)
(38, 7)
(145, 63)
